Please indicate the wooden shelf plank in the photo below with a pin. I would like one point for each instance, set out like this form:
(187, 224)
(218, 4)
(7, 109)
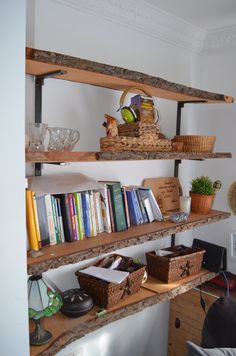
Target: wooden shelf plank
(60, 157)
(63, 254)
(66, 330)
(122, 156)
(79, 70)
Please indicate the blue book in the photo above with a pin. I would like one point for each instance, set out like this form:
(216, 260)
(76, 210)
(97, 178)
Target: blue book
(87, 219)
(135, 213)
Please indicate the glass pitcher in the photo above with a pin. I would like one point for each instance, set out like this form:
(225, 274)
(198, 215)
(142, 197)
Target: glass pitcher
(62, 139)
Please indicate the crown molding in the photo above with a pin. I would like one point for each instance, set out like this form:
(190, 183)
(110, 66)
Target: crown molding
(223, 38)
(144, 18)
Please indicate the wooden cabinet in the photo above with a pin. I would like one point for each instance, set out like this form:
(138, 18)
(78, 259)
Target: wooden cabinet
(186, 320)
(43, 63)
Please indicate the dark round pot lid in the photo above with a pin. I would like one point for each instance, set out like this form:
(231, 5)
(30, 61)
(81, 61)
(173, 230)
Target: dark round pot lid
(76, 302)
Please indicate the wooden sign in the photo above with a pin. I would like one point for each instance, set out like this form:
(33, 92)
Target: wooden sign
(166, 191)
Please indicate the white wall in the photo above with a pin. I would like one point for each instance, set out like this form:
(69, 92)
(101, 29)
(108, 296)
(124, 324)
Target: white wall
(215, 71)
(67, 29)
(13, 306)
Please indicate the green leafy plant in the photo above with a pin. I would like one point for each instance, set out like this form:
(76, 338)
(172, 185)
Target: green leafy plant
(204, 185)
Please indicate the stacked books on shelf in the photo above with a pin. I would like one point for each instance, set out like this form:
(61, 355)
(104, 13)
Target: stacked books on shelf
(56, 218)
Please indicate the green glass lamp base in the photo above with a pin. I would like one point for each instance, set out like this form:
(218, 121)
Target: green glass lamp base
(39, 336)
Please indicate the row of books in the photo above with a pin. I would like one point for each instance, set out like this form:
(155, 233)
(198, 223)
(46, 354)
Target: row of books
(53, 219)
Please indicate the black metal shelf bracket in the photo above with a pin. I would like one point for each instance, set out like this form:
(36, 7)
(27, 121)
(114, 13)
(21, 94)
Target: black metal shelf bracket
(39, 82)
(180, 105)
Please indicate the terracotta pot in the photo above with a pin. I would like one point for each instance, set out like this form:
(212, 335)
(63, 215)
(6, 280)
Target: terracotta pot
(201, 203)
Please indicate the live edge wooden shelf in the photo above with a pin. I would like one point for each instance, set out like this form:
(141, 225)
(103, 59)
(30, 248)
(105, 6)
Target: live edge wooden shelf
(52, 157)
(66, 330)
(39, 62)
(63, 254)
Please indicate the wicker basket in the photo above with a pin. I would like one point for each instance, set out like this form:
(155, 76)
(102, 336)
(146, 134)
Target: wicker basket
(195, 143)
(143, 143)
(138, 128)
(184, 262)
(107, 294)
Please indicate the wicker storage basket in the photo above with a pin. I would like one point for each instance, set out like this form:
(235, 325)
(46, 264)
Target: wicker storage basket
(142, 143)
(195, 143)
(138, 128)
(184, 262)
(107, 294)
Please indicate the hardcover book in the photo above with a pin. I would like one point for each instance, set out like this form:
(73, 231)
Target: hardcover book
(87, 219)
(72, 216)
(98, 211)
(105, 209)
(65, 213)
(31, 229)
(51, 225)
(146, 192)
(42, 218)
(117, 205)
(135, 213)
(78, 204)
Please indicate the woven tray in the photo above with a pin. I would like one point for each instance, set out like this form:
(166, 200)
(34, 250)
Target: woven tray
(180, 265)
(142, 143)
(196, 143)
(107, 294)
(137, 129)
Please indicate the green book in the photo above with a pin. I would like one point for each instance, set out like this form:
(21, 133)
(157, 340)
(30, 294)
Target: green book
(79, 215)
(117, 205)
(55, 219)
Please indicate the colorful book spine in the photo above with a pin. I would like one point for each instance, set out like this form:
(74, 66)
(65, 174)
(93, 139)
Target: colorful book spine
(65, 213)
(31, 229)
(148, 209)
(117, 206)
(72, 216)
(78, 203)
(105, 209)
(126, 206)
(134, 209)
(51, 226)
(98, 211)
(94, 227)
(36, 219)
(86, 214)
(55, 219)
(42, 218)
(146, 192)
(142, 208)
(110, 211)
(60, 221)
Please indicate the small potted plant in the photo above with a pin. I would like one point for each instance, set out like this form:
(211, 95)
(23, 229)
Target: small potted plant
(203, 194)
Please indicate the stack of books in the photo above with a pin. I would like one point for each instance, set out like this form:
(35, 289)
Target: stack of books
(56, 218)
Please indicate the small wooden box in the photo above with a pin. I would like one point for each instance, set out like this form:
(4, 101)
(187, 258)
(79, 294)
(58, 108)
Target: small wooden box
(143, 107)
(183, 262)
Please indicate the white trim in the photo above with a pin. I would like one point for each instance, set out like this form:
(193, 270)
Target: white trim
(154, 22)
(223, 38)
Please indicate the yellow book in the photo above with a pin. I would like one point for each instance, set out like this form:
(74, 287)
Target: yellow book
(33, 240)
(36, 219)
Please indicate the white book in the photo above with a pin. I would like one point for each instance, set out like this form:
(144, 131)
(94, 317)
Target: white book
(146, 192)
(105, 209)
(93, 214)
(51, 226)
(148, 209)
(108, 275)
(98, 211)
